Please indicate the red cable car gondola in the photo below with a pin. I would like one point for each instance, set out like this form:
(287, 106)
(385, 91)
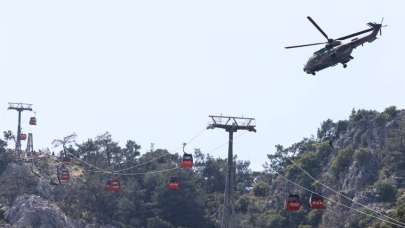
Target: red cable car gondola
(173, 183)
(293, 203)
(33, 121)
(23, 136)
(63, 174)
(316, 202)
(187, 162)
(113, 185)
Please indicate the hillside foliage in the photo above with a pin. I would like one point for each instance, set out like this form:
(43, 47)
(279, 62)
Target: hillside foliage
(362, 157)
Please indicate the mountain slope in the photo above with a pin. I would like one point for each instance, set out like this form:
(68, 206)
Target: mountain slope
(353, 163)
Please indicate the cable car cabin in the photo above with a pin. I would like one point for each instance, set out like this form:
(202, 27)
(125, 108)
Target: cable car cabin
(187, 162)
(293, 203)
(113, 185)
(173, 183)
(33, 121)
(65, 176)
(23, 136)
(316, 202)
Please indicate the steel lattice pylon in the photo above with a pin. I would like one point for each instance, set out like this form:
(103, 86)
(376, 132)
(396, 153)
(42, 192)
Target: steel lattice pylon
(230, 124)
(19, 107)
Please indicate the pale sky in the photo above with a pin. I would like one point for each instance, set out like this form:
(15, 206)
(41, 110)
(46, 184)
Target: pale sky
(153, 71)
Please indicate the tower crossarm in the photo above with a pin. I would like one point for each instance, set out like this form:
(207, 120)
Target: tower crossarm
(232, 123)
(20, 106)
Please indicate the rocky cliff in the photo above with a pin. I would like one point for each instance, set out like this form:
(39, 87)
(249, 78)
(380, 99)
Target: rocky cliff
(359, 161)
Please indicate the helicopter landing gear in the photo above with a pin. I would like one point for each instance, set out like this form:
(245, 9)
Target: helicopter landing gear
(344, 65)
(313, 73)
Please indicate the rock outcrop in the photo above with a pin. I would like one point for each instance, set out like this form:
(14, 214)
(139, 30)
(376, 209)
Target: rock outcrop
(34, 211)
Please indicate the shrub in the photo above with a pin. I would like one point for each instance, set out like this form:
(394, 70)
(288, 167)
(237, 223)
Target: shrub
(157, 222)
(304, 226)
(270, 219)
(261, 189)
(342, 161)
(314, 217)
(387, 191)
(310, 161)
(401, 211)
(362, 156)
(242, 205)
(391, 111)
(341, 127)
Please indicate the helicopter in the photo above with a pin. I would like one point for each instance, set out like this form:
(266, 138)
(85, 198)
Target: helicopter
(335, 51)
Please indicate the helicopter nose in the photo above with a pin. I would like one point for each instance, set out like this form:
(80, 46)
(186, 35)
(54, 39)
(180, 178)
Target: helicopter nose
(308, 70)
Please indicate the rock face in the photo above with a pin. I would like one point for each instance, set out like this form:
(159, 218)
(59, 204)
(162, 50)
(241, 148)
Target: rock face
(33, 211)
(27, 199)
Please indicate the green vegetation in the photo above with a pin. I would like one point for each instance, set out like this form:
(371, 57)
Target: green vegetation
(387, 191)
(341, 161)
(346, 155)
(261, 189)
(362, 156)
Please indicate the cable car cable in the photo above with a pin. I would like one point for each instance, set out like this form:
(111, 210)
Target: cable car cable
(88, 164)
(150, 172)
(340, 194)
(226, 143)
(199, 134)
(104, 171)
(341, 204)
(134, 174)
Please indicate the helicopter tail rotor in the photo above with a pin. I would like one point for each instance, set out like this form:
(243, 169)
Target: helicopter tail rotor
(335, 42)
(378, 26)
(382, 20)
(381, 24)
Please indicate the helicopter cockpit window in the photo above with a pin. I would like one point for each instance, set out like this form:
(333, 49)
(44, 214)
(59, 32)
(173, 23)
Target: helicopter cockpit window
(322, 51)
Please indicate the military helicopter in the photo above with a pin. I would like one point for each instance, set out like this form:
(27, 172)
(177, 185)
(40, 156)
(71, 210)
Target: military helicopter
(335, 51)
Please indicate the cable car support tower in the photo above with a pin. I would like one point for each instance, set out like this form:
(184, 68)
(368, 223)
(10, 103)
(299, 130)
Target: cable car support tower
(231, 125)
(19, 107)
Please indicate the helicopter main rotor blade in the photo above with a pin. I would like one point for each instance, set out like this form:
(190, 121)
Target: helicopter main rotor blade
(355, 34)
(319, 28)
(305, 45)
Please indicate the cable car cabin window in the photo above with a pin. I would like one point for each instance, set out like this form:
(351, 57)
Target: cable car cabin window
(321, 51)
(293, 203)
(23, 136)
(33, 121)
(173, 184)
(187, 161)
(113, 185)
(316, 202)
(64, 175)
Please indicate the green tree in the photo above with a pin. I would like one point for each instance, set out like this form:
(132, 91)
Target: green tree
(183, 207)
(327, 131)
(65, 142)
(261, 189)
(386, 191)
(342, 161)
(131, 151)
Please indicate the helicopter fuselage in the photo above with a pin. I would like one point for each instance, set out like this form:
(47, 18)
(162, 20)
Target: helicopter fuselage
(339, 53)
(331, 57)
